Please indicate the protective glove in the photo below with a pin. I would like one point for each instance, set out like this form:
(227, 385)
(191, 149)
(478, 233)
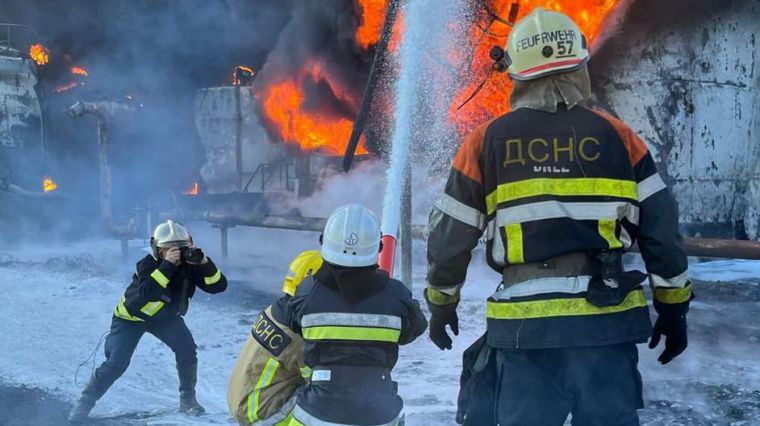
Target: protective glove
(440, 317)
(671, 323)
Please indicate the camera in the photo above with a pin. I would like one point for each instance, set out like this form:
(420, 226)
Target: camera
(191, 254)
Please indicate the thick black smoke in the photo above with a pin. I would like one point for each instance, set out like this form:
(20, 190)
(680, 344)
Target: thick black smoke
(323, 32)
(159, 52)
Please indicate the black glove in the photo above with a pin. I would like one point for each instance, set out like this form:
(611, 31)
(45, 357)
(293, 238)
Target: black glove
(671, 322)
(440, 317)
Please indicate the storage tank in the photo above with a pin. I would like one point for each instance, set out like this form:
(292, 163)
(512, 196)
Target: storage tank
(684, 75)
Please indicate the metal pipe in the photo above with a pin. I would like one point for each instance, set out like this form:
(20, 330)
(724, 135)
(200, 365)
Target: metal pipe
(699, 247)
(730, 249)
(15, 189)
(238, 140)
(103, 110)
(225, 241)
(369, 89)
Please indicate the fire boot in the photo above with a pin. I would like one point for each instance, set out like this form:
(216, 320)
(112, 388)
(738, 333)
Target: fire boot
(188, 376)
(92, 392)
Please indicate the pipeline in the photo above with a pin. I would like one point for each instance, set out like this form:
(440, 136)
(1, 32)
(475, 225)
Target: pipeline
(697, 247)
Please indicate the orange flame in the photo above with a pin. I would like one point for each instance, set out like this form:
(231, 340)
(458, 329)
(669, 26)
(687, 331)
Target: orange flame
(48, 184)
(79, 71)
(372, 20)
(493, 99)
(283, 106)
(192, 190)
(39, 54)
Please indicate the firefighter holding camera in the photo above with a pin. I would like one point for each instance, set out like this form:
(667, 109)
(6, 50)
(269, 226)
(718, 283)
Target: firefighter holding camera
(162, 286)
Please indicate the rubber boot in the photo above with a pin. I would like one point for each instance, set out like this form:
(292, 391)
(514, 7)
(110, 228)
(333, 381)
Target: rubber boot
(188, 376)
(91, 393)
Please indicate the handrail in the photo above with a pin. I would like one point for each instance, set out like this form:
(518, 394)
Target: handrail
(8, 27)
(266, 177)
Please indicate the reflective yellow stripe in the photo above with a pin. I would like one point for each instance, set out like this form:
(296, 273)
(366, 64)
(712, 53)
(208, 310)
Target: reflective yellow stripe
(561, 187)
(270, 368)
(160, 278)
(607, 231)
(672, 295)
(560, 307)
(440, 298)
(214, 278)
(352, 333)
(305, 372)
(122, 312)
(289, 421)
(514, 243)
(151, 308)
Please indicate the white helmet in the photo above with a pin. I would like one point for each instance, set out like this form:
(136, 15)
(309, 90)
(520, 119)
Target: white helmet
(545, 43)
(170, 234)
(351, 237)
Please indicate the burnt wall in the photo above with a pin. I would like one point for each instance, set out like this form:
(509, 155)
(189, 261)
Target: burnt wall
(684, 74)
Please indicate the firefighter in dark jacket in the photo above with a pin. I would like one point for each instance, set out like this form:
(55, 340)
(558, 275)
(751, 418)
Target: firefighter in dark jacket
(561, 191)
(155, 301)
(352, 317)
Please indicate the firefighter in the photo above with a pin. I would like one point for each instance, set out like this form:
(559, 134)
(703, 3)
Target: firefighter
(561, 191)
(352, 317)
(162, 285)
(270, 368)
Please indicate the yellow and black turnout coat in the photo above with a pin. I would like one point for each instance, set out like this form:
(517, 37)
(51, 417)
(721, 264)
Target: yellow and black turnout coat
(542, 185)
(160, 288)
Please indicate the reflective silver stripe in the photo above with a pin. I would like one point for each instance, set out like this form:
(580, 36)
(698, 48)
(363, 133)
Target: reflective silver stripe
(625, 238)
(570, 285)
(498, 252)
(302, 416)
(351, 320)
(491, 229)
(558, 209)
(461, 212)
(281, 414)
(650, 186)
(679, 281)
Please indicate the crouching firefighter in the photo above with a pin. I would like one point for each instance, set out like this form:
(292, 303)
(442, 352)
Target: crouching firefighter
(561, 191)
(162, 285)
(352, 317)
(270, 368)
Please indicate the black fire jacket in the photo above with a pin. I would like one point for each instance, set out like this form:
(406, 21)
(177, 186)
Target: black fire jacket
(161, 288)
(352, 322)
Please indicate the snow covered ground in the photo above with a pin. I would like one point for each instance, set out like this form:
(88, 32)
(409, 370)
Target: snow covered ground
(56, 302)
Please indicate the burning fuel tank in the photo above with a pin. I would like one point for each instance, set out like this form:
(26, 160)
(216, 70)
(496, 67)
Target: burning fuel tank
(239, 154)
(21, 131)
(685, 75)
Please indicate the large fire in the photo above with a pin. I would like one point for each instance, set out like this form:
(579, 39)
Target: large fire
(39, 54)
(284, 105)
(493, 99)
(284, 102)
(372, 20)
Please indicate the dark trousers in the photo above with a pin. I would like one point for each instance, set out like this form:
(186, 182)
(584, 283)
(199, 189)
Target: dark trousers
(598, 385)
(122, 341)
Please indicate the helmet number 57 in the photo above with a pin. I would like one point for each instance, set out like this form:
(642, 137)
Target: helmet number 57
(565, 48)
